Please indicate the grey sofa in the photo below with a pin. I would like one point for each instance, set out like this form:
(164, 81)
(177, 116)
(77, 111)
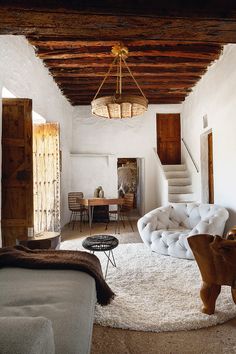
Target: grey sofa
(46, 311)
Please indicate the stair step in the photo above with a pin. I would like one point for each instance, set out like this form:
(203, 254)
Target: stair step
(180, 189)
(174, 167)
(181, 197)
(177, 174)
(179, 181)
(186, 201)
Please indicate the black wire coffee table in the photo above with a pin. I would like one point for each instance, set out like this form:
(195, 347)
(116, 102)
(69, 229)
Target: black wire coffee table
(102, 243)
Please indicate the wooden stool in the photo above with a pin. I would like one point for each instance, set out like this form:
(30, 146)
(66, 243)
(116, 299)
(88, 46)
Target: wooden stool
(231, 234)
(43, 240)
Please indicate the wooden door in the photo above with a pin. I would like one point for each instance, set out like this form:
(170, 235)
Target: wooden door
(46, 161)
(17, 170)
(210, 169)
(168, 138)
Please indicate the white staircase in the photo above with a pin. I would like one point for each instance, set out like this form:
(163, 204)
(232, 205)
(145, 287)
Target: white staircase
(179, 184)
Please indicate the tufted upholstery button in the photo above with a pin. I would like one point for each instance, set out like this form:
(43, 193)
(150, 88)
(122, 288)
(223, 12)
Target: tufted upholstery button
(168, 235)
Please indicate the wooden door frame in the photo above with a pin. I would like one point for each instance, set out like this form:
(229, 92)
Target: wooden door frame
(205, 190)
(210, 168)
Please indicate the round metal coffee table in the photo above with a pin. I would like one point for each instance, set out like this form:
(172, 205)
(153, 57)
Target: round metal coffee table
(102, 243)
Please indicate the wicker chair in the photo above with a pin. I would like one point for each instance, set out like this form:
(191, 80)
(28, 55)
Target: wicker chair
(76, 209)
(125, 210)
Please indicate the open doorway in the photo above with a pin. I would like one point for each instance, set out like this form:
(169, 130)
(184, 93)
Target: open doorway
(131, 180)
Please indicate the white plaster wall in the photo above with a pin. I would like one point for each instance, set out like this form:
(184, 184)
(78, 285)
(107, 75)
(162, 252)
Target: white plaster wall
(91, 171)
(214, 95)
(134, 137)
(24, 74)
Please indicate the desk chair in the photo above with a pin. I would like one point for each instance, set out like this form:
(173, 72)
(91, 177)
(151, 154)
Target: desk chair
(125, 210)
(76, 209)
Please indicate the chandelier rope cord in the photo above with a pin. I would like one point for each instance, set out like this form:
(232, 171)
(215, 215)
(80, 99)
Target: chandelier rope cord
(119, 76)
(130, 72)
(119, 104)
(106, 76)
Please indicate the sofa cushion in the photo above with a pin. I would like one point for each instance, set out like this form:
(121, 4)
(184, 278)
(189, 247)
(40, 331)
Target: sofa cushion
(66, 297)
(26, 335)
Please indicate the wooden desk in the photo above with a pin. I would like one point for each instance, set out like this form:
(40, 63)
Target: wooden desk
(92, 202)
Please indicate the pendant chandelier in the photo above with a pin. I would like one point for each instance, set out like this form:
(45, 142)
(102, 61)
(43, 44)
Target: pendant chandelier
(119, 105)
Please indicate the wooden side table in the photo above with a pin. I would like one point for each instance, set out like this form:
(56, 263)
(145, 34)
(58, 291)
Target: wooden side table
(231, 234)
(43, 240)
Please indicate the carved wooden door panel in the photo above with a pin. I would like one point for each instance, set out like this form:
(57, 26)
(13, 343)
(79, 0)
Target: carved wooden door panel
(17, 170)
(46, 161)
(168, 138)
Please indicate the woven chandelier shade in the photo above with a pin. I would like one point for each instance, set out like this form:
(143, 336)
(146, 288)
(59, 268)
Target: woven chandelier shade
(119, 105)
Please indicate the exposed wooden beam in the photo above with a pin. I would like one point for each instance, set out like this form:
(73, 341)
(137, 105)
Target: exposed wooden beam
(145, 86)
(128, 27)
(132, 62)
(177, 8)
(159, 100)
(174, 52)
(58, 44)
(141, 66)
(188, 78)
(90, 72)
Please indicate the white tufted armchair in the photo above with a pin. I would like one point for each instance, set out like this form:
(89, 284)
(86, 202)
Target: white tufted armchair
(166, 229)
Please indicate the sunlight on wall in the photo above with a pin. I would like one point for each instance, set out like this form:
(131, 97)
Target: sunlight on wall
(7, 94)
(37, 118)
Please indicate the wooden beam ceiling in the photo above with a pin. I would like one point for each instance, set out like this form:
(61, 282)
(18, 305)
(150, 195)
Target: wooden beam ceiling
(165, 70)
(170, 46)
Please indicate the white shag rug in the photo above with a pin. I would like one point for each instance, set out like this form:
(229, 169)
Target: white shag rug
(155, 293)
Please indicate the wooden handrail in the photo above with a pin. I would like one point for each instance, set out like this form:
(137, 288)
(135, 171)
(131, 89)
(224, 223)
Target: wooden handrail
(191, 157)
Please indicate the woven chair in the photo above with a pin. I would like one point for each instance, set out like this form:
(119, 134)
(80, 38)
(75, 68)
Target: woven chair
(77, 211)
(125, 210)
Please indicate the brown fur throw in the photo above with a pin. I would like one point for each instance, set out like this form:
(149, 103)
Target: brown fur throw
(23, 257)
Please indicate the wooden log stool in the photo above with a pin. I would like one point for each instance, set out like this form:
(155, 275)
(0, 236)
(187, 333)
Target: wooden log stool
(216, 259)
(231, 234)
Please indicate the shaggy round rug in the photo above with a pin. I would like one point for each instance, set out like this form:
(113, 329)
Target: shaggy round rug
(155, 293)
